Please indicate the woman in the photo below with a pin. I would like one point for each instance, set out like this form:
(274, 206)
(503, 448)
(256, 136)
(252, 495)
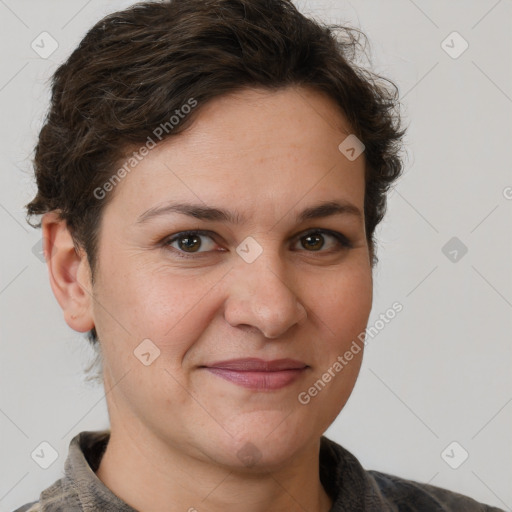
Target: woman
(211, 174)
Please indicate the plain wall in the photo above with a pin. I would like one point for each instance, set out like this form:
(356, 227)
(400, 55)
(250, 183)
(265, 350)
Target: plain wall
(439, 372)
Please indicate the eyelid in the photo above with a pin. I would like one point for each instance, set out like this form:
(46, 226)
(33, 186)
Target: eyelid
(344, 242)
(336, 234)
(190, 232)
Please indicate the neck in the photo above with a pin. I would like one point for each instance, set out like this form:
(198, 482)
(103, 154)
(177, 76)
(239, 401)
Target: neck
(152, 476)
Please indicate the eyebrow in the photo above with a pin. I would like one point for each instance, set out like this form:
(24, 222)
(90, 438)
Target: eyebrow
(321, 210)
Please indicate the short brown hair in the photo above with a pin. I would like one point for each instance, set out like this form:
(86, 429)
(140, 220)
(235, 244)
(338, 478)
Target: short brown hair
(136, 67)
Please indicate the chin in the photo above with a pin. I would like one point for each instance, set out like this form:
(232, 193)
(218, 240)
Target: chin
(263, 446)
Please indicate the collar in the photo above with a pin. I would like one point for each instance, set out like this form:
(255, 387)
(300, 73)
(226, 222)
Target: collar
(344, 479)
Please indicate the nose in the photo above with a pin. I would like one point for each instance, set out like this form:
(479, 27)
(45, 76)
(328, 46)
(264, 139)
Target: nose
(261, 296)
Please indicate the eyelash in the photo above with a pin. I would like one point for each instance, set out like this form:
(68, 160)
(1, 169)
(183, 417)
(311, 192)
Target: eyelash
(342, 240)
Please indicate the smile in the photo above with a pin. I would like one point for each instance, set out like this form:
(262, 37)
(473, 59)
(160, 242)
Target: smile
(258, 374)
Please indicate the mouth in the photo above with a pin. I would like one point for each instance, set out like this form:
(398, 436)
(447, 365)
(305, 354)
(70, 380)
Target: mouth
(258, 374)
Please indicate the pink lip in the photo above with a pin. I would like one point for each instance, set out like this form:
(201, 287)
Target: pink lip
(258, 365)
(259, 374)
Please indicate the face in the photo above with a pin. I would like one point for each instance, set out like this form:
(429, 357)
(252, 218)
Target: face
(263, 283)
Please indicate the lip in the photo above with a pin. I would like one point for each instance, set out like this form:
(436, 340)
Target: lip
(258, 365)
(254, 373)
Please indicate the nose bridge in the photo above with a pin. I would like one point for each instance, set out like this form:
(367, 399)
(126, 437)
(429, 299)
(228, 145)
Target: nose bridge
(261, 294)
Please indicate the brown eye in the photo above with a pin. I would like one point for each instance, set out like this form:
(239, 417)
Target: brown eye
(314, 241)
(189, 242)
(193, 244)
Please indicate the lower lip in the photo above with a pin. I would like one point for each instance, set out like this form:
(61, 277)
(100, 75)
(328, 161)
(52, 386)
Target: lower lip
(259, 380)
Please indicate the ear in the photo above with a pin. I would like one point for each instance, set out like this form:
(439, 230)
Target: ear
(69, 272)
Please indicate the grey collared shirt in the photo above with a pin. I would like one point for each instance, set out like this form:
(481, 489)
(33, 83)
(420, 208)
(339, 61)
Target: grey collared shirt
(351, 487)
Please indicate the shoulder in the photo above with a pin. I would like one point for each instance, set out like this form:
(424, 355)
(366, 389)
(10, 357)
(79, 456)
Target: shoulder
(352, 487)
(29, 507)
(412, 496)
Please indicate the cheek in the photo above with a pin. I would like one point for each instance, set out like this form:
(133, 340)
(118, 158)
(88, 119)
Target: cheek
(344, 301)
(343, 309)
(342, 306)
(169, 308)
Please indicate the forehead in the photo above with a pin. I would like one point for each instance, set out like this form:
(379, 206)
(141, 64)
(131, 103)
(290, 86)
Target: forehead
(253, 146)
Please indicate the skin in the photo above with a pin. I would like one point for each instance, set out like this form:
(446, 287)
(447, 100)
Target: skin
(176, 428)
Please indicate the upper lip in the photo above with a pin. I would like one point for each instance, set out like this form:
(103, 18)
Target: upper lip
(258, 365)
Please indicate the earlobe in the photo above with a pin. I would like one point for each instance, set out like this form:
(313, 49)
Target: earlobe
(69, 273)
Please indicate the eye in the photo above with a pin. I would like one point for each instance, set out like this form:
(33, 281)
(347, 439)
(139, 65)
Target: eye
(314, 240)
(189, 242)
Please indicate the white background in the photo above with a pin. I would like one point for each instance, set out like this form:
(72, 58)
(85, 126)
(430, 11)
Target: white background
(439, 372)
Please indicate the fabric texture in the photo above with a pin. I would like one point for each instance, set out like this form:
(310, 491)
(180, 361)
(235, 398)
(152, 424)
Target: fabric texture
(351, 487)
